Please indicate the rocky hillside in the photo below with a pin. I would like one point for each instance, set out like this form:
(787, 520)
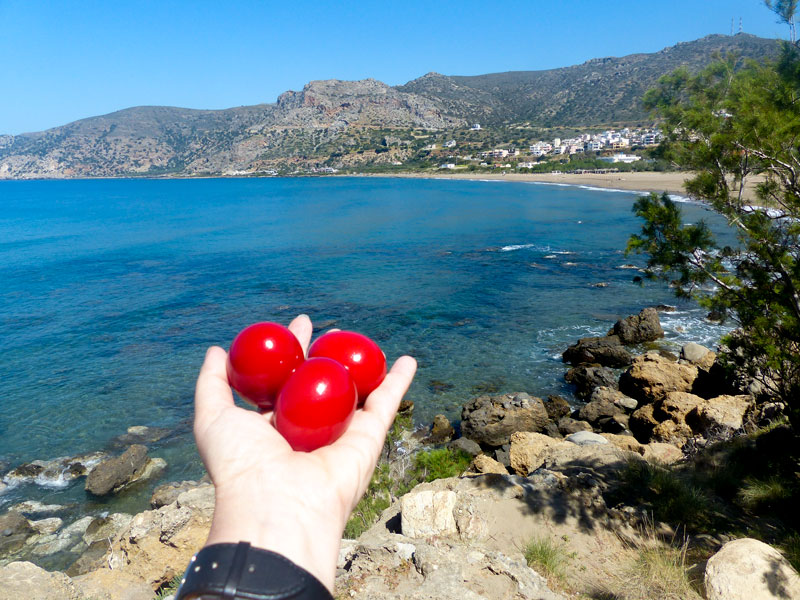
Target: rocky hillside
(601, 90)
(326, 116)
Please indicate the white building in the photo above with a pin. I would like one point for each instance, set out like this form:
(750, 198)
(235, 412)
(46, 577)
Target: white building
(623, 158)
(450, 144)
(447, 166)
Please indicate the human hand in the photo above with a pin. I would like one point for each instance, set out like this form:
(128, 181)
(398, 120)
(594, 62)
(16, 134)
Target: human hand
(293, 503)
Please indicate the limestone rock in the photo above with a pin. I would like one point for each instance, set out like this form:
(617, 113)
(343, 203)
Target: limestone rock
(660, 452)
(47, 526)
(723, 414)
(643, 423)
(20, 580)
(528, 451)
(606, 351)
(588, 377)
(651, 377)
(614, 396)
(167, 493)
(106, 528)
(624, 442)
(441, 431)
(598, 408)
(158, 544)
(747, 569)
(675, 406)
(466, 445)
(14, 530)
(114, 473)
(486, 464)
(671, 432)
(490, 420)
(644, 327)
(585, 438)
(428, 513)
(105, 584)
(698, 355)
(439, 571)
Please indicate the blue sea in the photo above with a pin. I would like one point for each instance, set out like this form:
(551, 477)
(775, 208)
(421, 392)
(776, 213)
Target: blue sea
(111, 290)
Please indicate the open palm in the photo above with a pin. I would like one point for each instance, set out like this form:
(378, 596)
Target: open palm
(294, 503)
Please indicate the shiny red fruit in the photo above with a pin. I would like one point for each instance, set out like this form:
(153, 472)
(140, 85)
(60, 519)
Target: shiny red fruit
(316, 404)
(358, 354)
(261, 359)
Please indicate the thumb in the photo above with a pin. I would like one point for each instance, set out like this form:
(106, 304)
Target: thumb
(212, 393)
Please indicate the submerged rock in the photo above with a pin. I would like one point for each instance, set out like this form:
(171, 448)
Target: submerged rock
(606, 351)
(644, 327)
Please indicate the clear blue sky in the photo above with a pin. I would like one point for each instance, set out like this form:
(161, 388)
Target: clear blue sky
(65, 60)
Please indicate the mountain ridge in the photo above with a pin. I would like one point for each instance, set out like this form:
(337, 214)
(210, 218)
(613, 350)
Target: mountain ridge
(332, 117)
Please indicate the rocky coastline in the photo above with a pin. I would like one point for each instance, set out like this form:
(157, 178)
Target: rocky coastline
(540, 469)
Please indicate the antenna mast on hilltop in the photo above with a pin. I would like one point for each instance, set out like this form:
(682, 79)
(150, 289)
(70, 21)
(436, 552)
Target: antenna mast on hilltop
(740, 24)
(732, 20)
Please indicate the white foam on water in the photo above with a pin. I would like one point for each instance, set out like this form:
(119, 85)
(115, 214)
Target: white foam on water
(513, 247)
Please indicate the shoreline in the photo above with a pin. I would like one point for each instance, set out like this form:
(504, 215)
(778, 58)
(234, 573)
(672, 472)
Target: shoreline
(644, 181)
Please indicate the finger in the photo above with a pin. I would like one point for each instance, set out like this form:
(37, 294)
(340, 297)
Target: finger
(212, 393)
(301, 328)
(384, 401)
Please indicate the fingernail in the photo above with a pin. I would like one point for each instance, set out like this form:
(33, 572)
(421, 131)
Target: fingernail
(304, 315)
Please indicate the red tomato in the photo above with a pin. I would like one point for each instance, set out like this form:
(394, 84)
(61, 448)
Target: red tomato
(316, 404)
(261, 359)
(358, 354)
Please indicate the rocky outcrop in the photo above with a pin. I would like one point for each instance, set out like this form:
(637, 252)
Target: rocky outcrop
(55, 471)
(441, 431)
(636, 329)
(531, 451)
(651, 377)
(423, 571)
(158, 544)
(14, 531)
(606, 351)
(490, 420)
(25, 580)
(722, 415)
(747, 569)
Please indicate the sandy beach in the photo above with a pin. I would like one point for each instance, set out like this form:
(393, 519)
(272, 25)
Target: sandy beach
(671, 182)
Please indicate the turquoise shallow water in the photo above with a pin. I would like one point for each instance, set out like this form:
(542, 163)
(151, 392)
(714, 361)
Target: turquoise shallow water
(112, 290)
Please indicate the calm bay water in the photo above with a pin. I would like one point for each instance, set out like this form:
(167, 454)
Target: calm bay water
(112, 290)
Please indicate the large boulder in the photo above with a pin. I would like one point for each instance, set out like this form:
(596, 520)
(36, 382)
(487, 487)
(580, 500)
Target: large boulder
(490, 420)
(531, 451)
(747, 569)
(113, 473)
(428, 513)
(722, 415)
(644, 327)
(606, 351)
(20, 580)
(651, 377)
(667, 420)
(597, 409)
(586, 378)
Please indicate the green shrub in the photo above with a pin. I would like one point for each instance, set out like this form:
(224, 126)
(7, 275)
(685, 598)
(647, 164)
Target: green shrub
(757, 493)
(548, 556)
(670, 497)
(440, 463)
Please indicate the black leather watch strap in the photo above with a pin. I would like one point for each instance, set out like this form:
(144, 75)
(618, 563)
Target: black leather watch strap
(241, 572)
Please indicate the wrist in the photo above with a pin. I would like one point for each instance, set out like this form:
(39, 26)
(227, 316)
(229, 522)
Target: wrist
(282, 525)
